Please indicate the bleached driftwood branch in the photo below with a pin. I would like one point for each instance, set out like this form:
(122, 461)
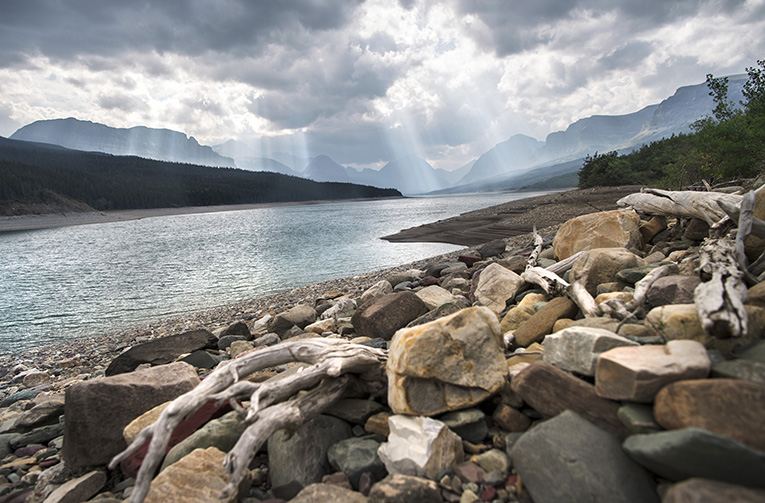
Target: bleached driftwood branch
(683, 204)
(336, 366)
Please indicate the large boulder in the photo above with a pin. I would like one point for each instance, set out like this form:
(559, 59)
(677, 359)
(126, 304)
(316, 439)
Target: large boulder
(495, 286)
(382, 316)
(637, 373)
(161, 351)
(97, 411)
(448, 364)
(569, 459)
(600, 265)
(606, 229)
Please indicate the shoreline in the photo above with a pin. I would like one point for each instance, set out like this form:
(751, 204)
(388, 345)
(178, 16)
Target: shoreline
(31, 222)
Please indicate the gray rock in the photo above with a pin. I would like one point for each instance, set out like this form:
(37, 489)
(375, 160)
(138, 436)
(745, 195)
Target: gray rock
(632, 275)
(41, 435)
(79, 489)
(754, 351)
(469, 424)
(569, 459)
(301, 315)
(459, 304)
(576, 349)
(384, 315)
(201, 359)
(43, 414)
(693, 452)
(675, 289)
(404, 286)
(748, 370)
(638, 418)
(268, 339)
(97, 411)
(221, 433)
(301, 459)
(400, 488)
(225, 341)
(379, 289)
(492, 248)
(354, 410)
(237, 328)
(26, 394)
(5, 443)
(161, 351)
(354, 456)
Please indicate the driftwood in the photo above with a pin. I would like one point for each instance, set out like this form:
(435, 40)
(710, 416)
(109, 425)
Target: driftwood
(683, 204)
(337, 368)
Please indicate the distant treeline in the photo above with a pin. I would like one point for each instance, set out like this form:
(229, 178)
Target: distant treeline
(728, 146)
(29, 172)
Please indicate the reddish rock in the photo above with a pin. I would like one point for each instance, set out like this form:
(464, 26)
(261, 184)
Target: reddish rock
(469, 260)
(727, 407)
(551, 391)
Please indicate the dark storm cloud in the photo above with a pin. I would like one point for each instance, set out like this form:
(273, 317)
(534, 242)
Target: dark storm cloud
(65, 30)
(517, 26)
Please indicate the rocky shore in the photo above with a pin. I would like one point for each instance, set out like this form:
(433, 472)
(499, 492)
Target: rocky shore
(494, 390)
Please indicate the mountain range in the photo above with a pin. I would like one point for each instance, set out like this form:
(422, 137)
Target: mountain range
(518, 162)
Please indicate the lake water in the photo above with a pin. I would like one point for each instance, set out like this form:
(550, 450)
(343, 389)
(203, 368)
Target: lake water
(56, 284)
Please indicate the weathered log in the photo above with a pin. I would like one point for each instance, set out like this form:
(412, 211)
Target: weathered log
(548, 281)
(538, 243)
(332, 360)
(683, 204)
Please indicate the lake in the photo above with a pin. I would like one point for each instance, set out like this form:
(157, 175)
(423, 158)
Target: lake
(57, 284)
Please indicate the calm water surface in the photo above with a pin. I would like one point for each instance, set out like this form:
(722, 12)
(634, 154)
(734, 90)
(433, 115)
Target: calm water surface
(69, 282)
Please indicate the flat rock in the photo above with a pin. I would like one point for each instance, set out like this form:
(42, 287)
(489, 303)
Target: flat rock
(199, 477)
(161, 351)
(354, 410)
(316, 493)
(384, 315)
(448, 364)
(300, 459)
(674, 289)
(724, 406)
(398, 488)
(605, 229)
(469, 424)
(698, 490)
(576, 349)
(492, 248)
(601, 265)
(694, 452)
(97, 411)
(434, 296)
(569, 459)
(79, 489)
(301, 315)
(43, 414)
(748, 370)
(637, 373)
(550, 391)
(495, 286)
(420, 446)
(541, 323)
(355, 456)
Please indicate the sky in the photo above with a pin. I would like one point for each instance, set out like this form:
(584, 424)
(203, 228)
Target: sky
(364, 82)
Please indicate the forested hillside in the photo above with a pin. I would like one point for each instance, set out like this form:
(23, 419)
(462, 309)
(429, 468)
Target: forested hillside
(30, 172)
(729, 145)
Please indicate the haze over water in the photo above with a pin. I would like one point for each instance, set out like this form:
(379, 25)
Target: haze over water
(58, 284)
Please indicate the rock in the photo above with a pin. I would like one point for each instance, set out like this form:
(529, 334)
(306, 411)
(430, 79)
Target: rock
(26, 394)
(79, 489)
(199, 477)
(606, 229)
(384, 315)
(434, 296)
(630, 330)
(301, 315)
(723, 406)
(637, 373)
(459, 304)
(681, 321)
(526, 355)
(469, 424)
(354, 410)
(648, 230)
(675, 289)
(754, 352)
(601, 265)
(493, 460)
(300, 459)
(221, 433)
(638, 418)
(492, 248)
(747, 370)
(756, 295)
(576, 349)
(522, 312)
(340, 307)
(260, 326)
(469, 260)
(694, 452)
(569, 459)
(510, 419)
(321, 326)
(268, 339)
(237, 328)
(338, 479)
(355, 456)
(448, 364)
(161, 351)
(454, 268)
(97, 411)
(420, 446)
(551, 391)
(37, 378)
(496, 285)
(316, 493)
(134, 427)
(225, 341)
(239, 347)
(378, 424)
(201, 359)
(696, 230)
(541, 323)
(41, 435)
(43, 414)
(753, 245)
(379, 289)
(398, 488)
(711, 491)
